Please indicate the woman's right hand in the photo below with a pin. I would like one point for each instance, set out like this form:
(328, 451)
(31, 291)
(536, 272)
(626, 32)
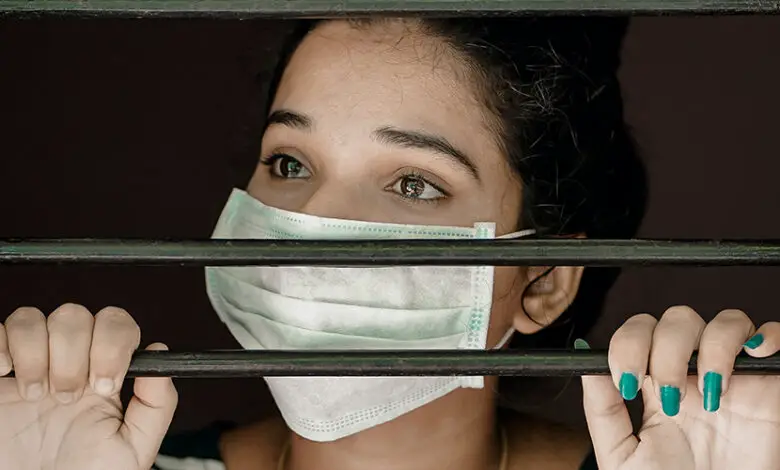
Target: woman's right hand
(62, 410)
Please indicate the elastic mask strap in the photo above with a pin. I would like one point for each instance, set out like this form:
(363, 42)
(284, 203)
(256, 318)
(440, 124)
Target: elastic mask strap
(505, 339)
(520, 234)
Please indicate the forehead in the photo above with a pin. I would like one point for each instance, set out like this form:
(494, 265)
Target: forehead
(388, 73)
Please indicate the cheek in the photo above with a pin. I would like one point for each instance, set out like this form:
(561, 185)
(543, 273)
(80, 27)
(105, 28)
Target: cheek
(291, 198)
(255, 185)
(508, 281)
(506, 203)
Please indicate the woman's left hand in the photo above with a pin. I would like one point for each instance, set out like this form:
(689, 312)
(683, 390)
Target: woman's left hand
(710, 421)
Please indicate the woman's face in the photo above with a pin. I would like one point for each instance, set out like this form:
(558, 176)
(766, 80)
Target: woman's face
(381, 123)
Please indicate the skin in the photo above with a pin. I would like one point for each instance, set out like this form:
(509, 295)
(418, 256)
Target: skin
(350, 85)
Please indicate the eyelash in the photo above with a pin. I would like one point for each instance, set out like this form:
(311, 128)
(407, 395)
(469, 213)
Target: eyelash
(270, 160)
(421, 177)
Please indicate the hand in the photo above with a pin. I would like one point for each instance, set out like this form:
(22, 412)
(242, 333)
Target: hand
(62, 410)
(711, 421)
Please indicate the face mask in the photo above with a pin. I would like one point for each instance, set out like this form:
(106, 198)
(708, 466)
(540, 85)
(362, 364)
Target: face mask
(310, 308)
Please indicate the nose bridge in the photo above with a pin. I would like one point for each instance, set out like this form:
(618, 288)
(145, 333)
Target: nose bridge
(336, 200)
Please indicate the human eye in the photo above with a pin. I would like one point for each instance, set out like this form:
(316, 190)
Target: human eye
(285, 166)
(416, 188)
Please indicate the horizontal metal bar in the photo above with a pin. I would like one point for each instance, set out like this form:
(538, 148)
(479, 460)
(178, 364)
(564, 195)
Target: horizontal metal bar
(335, 8)
(576, 252)
(242, 363)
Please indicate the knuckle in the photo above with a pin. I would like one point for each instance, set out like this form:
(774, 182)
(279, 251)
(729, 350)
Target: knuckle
(629, 347)
(115, 320)
(642, 323)
(732, 315)
(115, 316)
(23, 317)
(627, 343)
(681, 314)
(727, 331)
(69, 313)
(643, 319)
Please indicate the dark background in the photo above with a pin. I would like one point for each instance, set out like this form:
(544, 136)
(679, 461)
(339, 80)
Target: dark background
(139, 128)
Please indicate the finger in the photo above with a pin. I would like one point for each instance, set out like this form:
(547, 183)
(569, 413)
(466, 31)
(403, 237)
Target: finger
(149, 414)
(5, 355)
(674, 340)
(721, 341)
(766, 341)
(608, 421)
(115, 338)
(70, 338)
(629, 350)
(28, 345)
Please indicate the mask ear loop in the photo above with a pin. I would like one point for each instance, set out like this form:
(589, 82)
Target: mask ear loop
(520, 234)
(505, 339)
(514, 235)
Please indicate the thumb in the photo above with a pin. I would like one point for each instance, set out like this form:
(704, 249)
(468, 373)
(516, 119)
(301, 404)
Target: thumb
(608, 420)
(149, 414)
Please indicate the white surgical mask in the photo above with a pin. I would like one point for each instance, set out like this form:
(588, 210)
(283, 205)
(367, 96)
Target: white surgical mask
(311, 308)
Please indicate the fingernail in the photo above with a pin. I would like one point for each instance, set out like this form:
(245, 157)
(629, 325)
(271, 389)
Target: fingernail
(670, 400)
(104, 386)
(65, 397)
(34, 391)
(629, 386)
(580, 343)
(713, 383)
(755, 341)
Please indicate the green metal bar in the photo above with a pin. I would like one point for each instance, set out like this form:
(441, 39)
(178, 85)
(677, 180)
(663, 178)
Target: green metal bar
(253, 363)
(541, 252)
(335, 8)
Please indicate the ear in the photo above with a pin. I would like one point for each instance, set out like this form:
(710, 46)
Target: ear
(550, 291)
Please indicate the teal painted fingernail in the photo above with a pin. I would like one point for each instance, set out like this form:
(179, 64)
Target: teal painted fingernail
(629, 386)
(670, 400)
(713, 385)
(581, 344)
(755, 341)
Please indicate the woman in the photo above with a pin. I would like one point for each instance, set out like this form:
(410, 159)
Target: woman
(397, 129)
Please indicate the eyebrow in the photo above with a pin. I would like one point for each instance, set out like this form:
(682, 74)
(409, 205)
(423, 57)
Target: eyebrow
(288, 118)
(386, 135)
(419, 140)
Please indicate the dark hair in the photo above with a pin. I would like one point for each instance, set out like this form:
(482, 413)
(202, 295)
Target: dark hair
(551, 86)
